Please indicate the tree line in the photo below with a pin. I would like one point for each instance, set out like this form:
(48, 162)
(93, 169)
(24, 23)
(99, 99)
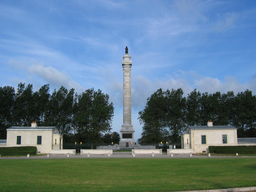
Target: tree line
(81, 117)
(168, 113)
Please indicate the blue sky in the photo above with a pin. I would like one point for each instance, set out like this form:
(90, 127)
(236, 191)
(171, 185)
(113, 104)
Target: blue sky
(205, 45)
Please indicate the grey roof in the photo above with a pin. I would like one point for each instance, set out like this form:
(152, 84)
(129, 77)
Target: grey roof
(211, 127)
(248, 140)
(31, 128)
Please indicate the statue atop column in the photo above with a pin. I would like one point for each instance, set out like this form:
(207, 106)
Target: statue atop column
(126, 50)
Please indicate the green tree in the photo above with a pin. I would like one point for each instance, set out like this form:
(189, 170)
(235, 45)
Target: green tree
(41, 98)
(175, 114)
(193, 109)
(230, 104)
(245, 114)
(24, 105)
(7, 97)
(222, 108)
(207, 108)
(93, 115)
(107, 138)
(60, 110)
(153, 118)
(115, 137)
(82, 115)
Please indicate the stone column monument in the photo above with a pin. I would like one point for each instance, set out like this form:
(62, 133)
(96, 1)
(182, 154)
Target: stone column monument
(127, 131)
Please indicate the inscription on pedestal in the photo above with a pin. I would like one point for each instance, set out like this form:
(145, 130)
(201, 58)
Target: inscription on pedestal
(127, 135)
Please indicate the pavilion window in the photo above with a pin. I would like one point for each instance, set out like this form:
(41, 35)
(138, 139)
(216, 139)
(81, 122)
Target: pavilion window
(18, 140)
(203, 139)
(39, 140)
(224, 139)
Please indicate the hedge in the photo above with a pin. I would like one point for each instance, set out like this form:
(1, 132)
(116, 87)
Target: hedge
(14, 151)
(233, 149)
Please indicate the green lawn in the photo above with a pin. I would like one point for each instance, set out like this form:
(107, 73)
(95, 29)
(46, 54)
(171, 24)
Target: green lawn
(126, 174)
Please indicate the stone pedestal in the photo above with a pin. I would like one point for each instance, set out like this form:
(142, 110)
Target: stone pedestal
(127, 131)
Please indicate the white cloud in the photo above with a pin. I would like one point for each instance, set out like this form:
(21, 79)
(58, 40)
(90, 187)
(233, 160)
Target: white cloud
(212, 85)
(225, 21)
(208, 84)
(191, 11)
(46, 74)
(54, 77)
(142, 87)
(113, 4)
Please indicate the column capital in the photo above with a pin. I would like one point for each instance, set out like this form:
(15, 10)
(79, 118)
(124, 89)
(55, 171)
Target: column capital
(125, 67)
(127, 60)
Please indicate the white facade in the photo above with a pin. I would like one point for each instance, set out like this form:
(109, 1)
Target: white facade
(45, 139)
(199, 138)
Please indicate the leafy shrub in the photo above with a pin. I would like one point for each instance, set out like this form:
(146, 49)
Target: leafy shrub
(13, 151)
(233, 149)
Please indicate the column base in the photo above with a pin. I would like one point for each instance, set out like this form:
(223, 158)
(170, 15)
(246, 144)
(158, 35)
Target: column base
(126, 144)
(127, 137)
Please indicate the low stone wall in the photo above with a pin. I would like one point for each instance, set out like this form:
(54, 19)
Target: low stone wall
(96, 151)
(123, 146)
(138, 146)
(64, 151)
(246, 144)
(114, 147)
(146, 151)
(180, 151)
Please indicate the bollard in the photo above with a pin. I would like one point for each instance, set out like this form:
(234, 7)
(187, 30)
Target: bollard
(236, 154)
(190, 154)
(48, 155)
(27, 155)
(171, 154)
(68, 155)
(109, 155)
(88, 155)
(153, 154)
(209, 154)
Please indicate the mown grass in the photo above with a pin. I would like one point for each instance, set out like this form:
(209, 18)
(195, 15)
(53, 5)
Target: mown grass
(126, 174)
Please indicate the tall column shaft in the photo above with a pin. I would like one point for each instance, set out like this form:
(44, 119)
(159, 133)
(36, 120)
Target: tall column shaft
(127, 131)
(127, 95)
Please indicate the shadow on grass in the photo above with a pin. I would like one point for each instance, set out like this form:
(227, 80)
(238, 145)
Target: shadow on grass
(251, 166)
